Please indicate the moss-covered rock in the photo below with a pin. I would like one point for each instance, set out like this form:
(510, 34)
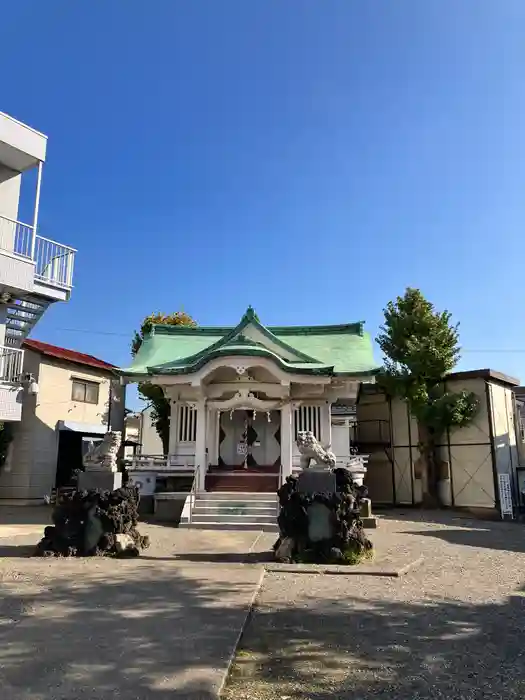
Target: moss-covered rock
(347, 543)
(85, 523)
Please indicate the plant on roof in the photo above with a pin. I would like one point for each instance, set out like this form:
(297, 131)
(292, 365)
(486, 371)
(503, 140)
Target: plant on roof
(154, 395)
(420, 347)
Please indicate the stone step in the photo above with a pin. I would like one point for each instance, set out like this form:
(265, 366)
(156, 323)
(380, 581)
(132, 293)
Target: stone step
(234, 518)
(225, 508)
(229, 525)
(237, 496)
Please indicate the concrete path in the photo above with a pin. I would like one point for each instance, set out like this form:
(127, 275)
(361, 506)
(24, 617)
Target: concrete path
(147, 629)
(21, 520)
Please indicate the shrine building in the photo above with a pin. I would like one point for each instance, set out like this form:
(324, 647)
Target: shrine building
(239, 395)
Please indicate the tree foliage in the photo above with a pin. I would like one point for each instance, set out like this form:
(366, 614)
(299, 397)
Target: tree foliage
(151, 393)
(420, 347)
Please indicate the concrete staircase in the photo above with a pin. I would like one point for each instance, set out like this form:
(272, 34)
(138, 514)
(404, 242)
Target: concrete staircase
(233, 511)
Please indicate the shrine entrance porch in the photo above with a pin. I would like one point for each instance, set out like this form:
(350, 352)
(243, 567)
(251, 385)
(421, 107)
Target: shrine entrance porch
(259, 479)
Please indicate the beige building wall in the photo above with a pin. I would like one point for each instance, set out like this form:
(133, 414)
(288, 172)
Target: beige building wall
(9, 195)
(475, 455)
(31, 468)
(373, 433)
(468, 450)
(151, 444)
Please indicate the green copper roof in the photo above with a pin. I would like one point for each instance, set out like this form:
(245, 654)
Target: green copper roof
(344, 349)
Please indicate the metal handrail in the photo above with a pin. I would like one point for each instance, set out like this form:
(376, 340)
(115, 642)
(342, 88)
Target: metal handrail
(161, 463)
(15, 221)
(54, 262)
(193, 494)
(50, 240)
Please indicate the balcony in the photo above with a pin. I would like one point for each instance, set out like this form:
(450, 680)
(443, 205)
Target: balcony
(11, 391)
(48, 264)
(21, 147)
(11, 364)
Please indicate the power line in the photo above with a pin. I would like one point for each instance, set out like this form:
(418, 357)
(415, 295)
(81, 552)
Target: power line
(129, 335)
(91, 332)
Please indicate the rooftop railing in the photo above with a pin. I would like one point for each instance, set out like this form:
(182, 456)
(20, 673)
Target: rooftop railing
(53, 261)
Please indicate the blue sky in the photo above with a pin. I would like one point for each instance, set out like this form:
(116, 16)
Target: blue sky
(311, 158)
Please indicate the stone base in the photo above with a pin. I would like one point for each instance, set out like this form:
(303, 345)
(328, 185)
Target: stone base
(369, 520)
(369, 523)
(169, 507)
(366, 508)
(105, 481)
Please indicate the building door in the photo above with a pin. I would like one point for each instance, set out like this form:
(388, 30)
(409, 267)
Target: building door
(69, 459)
(266, 446)
(232, 442)
(248, 440)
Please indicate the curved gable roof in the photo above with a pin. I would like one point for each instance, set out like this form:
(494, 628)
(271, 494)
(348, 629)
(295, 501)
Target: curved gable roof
(342, 349)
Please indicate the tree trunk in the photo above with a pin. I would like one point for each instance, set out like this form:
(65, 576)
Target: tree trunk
(164, 434)
(427, 446)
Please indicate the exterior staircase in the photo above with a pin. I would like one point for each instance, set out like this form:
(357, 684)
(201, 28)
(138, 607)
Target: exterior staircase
(22, 315)
(232, 511)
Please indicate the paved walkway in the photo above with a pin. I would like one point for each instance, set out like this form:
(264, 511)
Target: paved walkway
(21, 520)
(152, 628)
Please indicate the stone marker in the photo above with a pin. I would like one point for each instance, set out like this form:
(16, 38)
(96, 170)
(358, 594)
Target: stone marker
(99, 480)
(316, 481)
(320, 522)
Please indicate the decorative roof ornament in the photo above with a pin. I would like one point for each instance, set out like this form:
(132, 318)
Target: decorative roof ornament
(251, 315)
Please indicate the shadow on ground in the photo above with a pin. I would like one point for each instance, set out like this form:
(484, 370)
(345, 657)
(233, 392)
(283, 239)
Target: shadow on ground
(356, 648)
(25, 515)
(490, 538)
(135, 632)
(226, 557)
(470, 532)
(17, 550)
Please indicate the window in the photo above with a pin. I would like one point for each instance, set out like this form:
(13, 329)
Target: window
(187, 423)
(84, 391)
(308, 418)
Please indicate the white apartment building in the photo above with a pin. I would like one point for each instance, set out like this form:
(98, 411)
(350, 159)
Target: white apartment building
(34, 271)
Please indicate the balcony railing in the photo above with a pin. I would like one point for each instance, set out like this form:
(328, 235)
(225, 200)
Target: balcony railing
(11, 363)
(53, 261)
(162, 463)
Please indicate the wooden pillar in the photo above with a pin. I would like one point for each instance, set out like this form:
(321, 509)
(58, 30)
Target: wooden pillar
(213, 447)
(174, 428)
(212, 440)
(286, 441)
(201, 462)
(326, 424)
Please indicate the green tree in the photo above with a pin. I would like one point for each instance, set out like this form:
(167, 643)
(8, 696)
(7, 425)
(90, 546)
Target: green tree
(151, 393)
(420, 347)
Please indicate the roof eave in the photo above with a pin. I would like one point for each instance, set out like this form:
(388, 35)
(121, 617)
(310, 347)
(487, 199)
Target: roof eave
(249, 352)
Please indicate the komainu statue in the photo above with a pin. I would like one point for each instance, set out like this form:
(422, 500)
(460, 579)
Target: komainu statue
(310, 448)
(103, 457)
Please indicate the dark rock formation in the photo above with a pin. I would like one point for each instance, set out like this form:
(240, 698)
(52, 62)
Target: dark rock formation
(89, 523)
(345, 542)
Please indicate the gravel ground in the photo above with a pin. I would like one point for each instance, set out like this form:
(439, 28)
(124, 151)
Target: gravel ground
(164, 625)
(453, 627)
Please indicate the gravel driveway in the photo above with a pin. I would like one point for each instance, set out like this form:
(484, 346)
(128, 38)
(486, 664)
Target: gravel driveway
(453, 627)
